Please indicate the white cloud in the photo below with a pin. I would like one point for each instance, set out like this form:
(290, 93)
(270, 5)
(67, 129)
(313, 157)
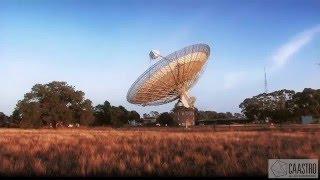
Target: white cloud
(286, 51)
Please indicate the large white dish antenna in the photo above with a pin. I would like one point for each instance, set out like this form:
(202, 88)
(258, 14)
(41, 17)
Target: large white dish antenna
(170, 78)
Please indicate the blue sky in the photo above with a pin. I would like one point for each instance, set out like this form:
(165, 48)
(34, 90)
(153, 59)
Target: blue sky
(101, 47)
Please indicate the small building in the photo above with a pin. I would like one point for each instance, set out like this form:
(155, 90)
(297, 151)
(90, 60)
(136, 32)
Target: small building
(184, 116)
(149, 120)
(134, 123)
(307, 120)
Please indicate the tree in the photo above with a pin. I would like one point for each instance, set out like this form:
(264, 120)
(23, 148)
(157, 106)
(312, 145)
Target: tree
(145, 115)
(119, 116)
(166, 119)
(306, 102)
(15, 117)
(207, 115)
(133, 115)
(154, 114)
(52, 103)
(238, 115)
(4, 120)
(105, 114)
(3, 117)
(229, 115)
(102, 113)
(273, 105)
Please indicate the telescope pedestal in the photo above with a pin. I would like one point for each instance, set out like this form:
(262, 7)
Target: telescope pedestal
(184, 116)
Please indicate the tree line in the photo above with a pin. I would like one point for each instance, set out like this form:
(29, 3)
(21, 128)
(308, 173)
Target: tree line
(60, 104)
(282, 106)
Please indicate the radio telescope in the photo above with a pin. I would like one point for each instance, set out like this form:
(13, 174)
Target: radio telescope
(170, 78)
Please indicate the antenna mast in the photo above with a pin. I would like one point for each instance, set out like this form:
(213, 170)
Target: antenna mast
(265, 93)
(265, 81)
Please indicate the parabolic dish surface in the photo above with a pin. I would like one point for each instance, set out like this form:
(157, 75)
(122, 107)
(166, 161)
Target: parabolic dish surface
(170, 76)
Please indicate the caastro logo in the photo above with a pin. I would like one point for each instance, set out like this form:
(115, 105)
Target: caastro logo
(279, 168)
(293, 168)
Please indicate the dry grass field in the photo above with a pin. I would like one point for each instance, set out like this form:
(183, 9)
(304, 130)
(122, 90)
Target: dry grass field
(223, 151)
